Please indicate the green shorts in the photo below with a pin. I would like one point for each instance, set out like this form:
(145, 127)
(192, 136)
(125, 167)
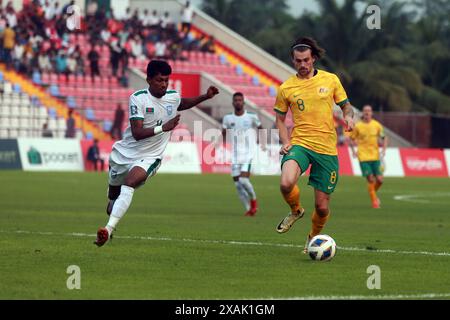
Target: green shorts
(324, 168)
(371, 168)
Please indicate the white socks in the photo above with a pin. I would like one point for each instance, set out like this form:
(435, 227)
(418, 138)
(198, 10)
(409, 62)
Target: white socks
(121, 206)
(245, 182)
(243, 196)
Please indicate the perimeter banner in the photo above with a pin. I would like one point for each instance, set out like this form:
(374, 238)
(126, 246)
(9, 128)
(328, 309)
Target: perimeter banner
(45, 154)
(9, 154)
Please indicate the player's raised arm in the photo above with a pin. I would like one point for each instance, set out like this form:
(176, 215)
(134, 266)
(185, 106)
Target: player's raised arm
(139, 132)
(187, 103)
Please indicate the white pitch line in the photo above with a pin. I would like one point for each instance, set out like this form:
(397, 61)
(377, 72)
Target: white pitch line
(374, 297)
(230, 242)
(413, 197)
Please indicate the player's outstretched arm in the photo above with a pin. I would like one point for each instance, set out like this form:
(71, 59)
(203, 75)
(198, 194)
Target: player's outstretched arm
(187, 103)
(139, 132)
(347, 110)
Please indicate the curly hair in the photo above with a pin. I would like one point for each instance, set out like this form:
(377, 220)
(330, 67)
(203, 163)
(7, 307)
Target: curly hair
(305, 43)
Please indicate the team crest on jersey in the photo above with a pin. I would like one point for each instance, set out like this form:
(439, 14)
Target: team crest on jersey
(323, 91)
(232, 124)
(169, 110)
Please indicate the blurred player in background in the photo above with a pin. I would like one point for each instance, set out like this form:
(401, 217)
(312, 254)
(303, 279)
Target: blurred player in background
(240, 128)
(153, 114)
(310, 95)
(366, 136)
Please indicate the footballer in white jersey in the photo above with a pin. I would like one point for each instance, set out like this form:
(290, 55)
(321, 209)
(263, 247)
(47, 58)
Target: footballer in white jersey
(146, 153)
(242, 135)
(240, 130)
(153, 114)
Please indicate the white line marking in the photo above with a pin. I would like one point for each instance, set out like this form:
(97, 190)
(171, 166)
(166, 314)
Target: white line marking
(413, 197)
(230, 242)
(410, 198)
(374, 297)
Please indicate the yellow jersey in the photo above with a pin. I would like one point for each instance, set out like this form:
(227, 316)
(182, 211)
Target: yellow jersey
(366, 135)
(311, 102)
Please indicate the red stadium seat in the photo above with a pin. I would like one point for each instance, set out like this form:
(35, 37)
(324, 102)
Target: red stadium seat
(53, 78)
(45, 78)
(113, 81)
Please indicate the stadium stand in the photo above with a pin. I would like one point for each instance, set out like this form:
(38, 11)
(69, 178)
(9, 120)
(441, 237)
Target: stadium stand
(19, 94)
(24, 116)
(87, 70)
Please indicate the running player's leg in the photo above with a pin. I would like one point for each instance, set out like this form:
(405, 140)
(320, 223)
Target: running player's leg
(320, 215)
(378, 182)
(116, 178)
(293, 165)
(113, 194)
(371, 187)
(378, 173)
(290, 172)
(242, 194)
(321, 212)
(244, 180)
(323, 178)
(369, 174)
(135, 177)
(288, 186)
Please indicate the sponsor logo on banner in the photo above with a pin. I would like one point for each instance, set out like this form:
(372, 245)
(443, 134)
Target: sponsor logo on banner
(48, 155)
(424, 162)
(34, 156)
(418, 164)
(9, 154)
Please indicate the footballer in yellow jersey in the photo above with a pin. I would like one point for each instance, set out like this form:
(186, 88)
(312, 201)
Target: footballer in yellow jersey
(310, 96)
(311, 102)
(366, 136)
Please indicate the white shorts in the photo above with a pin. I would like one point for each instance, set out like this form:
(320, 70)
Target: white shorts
(118, 172)
(236, 169)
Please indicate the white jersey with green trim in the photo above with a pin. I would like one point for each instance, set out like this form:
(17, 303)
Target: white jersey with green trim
(154, 112)
(241, 132)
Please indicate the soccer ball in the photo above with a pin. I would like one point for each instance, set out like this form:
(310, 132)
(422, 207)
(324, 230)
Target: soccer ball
(322, 248)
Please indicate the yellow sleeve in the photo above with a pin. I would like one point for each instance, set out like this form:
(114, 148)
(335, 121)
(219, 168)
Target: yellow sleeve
(340, 96)
(281, 103)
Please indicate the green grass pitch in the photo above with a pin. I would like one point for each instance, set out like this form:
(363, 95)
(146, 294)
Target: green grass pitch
(185, 237)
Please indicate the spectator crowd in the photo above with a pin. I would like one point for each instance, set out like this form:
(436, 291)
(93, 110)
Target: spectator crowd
(39, 38)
